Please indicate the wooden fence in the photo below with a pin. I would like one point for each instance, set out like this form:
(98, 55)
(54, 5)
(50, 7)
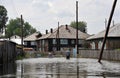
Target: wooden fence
(107, 54)
(7, 51)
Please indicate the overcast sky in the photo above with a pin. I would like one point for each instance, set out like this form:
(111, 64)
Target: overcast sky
(44, 14)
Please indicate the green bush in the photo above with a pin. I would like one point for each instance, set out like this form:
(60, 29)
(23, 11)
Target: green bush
(19, 57)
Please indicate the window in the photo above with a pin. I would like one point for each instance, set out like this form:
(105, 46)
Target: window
(72, 41)
(99, 44)
(80, 41)
(93, 45)
(25, 43)
(63, 41)
(54, 41)
(43, 42)
(33, 43)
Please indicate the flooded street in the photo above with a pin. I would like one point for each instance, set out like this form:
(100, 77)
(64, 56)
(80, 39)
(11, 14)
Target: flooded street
(62, 68)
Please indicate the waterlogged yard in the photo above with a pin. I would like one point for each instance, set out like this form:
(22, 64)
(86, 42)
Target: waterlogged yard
(63, 68)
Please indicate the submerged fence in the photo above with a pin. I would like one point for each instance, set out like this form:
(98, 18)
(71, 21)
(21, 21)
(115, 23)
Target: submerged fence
(107, 54)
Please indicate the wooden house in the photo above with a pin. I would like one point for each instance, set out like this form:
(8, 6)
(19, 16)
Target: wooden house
(30, 41)
(112, 42)
(60, 38)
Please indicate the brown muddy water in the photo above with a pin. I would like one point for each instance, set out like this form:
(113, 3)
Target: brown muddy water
(60, 68)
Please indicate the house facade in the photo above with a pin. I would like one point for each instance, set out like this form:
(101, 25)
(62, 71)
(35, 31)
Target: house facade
(61, 38)
(30, 41)
(112, 42)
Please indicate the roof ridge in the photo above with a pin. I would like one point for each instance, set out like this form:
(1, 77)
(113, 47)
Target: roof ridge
(30, 34)
(55, 30)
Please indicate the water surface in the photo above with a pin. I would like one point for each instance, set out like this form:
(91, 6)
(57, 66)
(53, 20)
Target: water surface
(62, 68)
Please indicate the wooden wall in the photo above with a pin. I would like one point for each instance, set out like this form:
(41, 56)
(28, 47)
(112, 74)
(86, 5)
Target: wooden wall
(7, 51)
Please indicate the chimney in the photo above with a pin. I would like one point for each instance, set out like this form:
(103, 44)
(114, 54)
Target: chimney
(51, 30)
(46, 31)
(66, 27)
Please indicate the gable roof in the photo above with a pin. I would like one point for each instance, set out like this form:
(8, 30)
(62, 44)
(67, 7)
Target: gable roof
(16, 39)
(31, 37)
(113, 32)
(69, 33)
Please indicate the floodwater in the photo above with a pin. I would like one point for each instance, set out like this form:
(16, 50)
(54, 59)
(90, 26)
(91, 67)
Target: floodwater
(60, 68)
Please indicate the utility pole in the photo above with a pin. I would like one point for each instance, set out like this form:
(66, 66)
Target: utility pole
(77, 27)
(22, 44)
(77, 38)
(57, 39)
(22, 33)
(107, 30)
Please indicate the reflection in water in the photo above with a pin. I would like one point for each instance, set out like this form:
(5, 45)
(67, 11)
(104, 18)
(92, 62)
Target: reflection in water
(77, 63)
(8, 69)
(61, 68)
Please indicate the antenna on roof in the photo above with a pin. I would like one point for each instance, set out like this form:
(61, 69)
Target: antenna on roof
(105, 23)
(113, 23)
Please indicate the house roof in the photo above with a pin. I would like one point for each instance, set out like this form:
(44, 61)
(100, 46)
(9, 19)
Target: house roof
(2, 40)
(16, 39)
(69, 33)
(31, 37)
(113, 32)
